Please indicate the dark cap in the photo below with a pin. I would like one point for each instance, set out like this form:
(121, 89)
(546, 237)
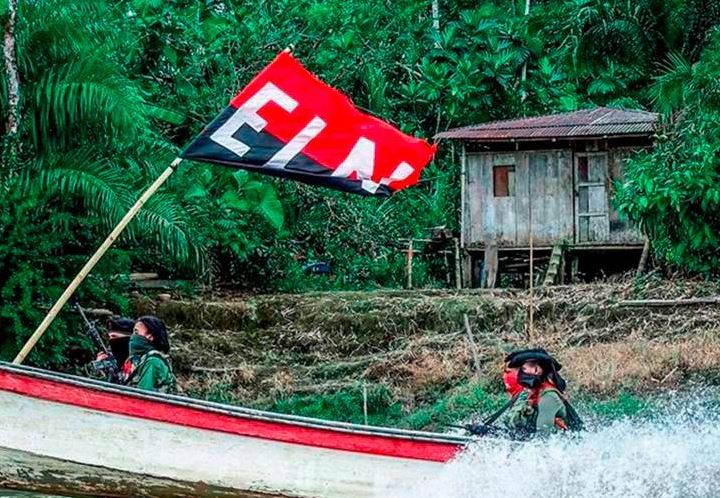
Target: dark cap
(157, 328)
(120, 324)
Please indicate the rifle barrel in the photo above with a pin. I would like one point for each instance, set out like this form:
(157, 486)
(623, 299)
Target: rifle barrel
(94, 334)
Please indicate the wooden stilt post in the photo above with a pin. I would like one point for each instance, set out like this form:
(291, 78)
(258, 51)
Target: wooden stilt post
(92, 262)
(490, 266)
(446, 261)
(574, 268)
(467, 269)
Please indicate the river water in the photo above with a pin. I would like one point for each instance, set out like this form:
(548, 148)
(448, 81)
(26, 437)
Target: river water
(673, 453)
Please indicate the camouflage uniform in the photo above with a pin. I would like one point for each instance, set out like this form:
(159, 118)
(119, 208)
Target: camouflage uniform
(153, 372)
(524, 419)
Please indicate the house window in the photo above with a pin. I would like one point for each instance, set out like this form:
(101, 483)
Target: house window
(504, 180)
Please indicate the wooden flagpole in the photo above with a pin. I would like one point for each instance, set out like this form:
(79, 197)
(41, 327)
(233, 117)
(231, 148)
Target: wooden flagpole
(92, 262)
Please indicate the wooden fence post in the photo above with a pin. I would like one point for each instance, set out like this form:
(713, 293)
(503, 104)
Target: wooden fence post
(409, 264)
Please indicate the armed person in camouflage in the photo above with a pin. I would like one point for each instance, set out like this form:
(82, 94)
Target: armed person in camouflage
(148, 366)
(537, 404)
(542, 406)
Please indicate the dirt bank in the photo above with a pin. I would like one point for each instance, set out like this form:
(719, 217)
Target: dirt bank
(416, 347)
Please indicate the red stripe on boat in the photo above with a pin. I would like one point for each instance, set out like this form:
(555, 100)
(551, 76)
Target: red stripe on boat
(111, 402)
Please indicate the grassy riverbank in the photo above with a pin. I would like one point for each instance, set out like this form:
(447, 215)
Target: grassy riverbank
(421, 366)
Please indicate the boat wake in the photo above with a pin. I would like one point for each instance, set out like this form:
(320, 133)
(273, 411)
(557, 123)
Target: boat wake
(673, 454)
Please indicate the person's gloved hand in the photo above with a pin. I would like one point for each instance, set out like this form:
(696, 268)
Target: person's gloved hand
(477, 429)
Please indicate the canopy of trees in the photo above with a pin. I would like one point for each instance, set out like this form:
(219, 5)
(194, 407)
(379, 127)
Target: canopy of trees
(111, 90)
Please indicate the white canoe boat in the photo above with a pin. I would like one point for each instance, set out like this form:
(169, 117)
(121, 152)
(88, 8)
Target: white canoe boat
(66, 434)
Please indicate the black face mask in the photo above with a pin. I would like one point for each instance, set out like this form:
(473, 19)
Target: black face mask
(120, 348)
(529, 380)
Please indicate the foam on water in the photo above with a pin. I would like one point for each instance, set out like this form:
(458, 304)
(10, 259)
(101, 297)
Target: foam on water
(672, 455)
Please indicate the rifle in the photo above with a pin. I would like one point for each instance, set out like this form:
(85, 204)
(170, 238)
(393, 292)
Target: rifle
(107, 368)
(479, 429)
(486, 426)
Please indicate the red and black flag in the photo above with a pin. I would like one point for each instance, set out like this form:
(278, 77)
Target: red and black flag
(288, 123)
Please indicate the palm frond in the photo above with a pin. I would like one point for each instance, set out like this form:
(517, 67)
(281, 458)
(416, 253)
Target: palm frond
(163, 221)
(101, 185)
(75, 97)
(56, 31)
(669, 89)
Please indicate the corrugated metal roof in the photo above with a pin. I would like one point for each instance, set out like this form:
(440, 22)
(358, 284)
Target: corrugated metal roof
(597, 122)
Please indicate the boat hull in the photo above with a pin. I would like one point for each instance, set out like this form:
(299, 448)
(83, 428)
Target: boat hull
(28, 472)
(166, 446)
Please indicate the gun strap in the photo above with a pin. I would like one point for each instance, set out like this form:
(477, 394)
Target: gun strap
(492, 418)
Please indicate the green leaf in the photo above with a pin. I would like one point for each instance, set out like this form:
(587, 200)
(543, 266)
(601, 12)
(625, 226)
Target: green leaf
(241, 177)
(232, 200)
(171, 54)
(195, 191)
(214, 26)
(172, 117)
(184, 88)
(147, 6)
(272, 209)
(254, 190)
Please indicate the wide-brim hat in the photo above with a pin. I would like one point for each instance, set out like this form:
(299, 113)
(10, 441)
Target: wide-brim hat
(539, 355)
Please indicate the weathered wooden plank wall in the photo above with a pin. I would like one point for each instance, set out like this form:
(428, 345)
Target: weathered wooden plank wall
(541, 178)
(551, 197)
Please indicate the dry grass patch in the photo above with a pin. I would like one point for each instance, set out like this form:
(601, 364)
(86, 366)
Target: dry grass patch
(415, 342)
(638, 363)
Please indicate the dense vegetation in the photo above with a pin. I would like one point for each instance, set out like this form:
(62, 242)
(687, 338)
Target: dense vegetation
(111, 90)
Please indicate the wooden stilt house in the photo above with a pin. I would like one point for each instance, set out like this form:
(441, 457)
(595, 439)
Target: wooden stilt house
(546, 181)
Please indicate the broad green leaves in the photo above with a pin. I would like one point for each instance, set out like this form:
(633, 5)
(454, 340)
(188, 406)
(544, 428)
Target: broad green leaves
(674, 190)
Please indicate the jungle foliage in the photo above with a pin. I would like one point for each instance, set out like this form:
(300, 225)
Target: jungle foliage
(674, 190)
(110, 91)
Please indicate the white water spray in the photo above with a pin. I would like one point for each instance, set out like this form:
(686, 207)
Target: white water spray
(673, 455)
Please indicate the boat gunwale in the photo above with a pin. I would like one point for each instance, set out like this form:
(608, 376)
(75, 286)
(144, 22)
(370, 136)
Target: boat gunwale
(237, 411)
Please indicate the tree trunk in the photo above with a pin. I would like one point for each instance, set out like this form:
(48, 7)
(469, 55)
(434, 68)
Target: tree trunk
(644, 257)
(523, 77)
(11, 71)
(436, 20)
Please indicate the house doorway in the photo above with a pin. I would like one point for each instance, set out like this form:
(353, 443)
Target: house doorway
(592, 221)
